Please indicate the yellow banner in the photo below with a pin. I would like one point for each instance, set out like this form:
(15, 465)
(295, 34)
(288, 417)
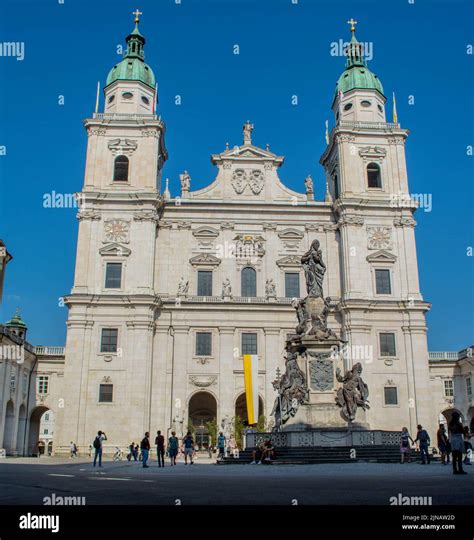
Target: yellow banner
(251, 386)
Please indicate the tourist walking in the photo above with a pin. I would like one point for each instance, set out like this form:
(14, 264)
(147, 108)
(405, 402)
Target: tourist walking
(97, 444)
(442, 440)
(160, 448)
(220, 446)
(424, 441)
(467, 446)
(232, 447)
(73, 449)
(456, 438)
(145, 448)
(173, 445)
(405, 446)
(188, 443)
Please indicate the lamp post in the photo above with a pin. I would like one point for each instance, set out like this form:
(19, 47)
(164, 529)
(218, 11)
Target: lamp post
(278, 380)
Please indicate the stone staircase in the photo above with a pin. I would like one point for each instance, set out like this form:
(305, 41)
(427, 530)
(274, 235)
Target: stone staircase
(339, 454)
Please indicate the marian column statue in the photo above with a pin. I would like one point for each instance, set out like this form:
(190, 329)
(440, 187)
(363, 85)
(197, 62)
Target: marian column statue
(314, 270)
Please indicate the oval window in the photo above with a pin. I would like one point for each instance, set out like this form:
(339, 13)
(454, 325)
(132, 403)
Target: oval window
(111, 98)
(365, 103)
(380, 108)
(348, 106)
(145, 100)
(127, 95)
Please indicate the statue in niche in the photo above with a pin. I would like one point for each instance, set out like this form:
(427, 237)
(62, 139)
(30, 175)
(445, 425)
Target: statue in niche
(270, 289)
(183, 287)
(226, 288)
(354, 392)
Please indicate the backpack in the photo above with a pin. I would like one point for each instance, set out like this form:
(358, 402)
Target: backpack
(96, 443)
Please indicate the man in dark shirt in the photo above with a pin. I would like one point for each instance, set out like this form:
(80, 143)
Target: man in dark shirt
(160, 448)
(145, 448)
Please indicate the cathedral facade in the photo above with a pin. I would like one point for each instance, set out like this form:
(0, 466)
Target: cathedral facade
(170, 293)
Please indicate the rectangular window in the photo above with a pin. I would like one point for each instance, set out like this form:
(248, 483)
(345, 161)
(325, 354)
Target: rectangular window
(203, 344)
(336, 187)
(387, 344)
(249, 343)
(391, 395)
(113, 276)
(12, 382)
(25, 383)
(292, 285)
(109, 339)
(45, 431)
(448, 388)
(204, 287)
(469, 387)
(46, 417)
(106, 393)
(43, 382)
(382, 282)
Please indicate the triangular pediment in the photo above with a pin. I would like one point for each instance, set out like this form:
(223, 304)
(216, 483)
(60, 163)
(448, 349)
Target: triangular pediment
(293, 261)
(290, 234)
(381, 256)
(206, 232)
(247, 152)
(115, 249)
(205, 259)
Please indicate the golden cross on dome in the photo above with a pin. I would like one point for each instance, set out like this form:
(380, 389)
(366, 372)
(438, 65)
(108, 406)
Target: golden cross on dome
(352, 23)
(137, 15)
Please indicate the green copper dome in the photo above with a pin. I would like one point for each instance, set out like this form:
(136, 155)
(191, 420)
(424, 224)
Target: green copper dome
(357, 74)
(16, 321)
(133, 67)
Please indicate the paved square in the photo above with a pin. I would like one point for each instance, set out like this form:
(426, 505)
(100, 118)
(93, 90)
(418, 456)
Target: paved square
(28, 481)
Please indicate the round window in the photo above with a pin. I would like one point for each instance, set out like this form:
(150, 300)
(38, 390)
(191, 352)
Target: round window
(348, 106)
(111, 98)
(145, 100)
(380, 108)
(127, 95)
(365, 103)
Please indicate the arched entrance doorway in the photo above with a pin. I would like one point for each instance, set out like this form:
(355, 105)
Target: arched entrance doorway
(9, 431)
(34, 435)
(202, 410)
(241, 408)
(446, 415)
(470, 414)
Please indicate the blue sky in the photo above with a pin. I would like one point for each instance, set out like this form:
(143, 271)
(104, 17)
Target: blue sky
(419, 50)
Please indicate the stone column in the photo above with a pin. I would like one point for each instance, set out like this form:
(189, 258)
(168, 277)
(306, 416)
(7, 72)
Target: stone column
(179, 374)
(273, 359)
(225, 407)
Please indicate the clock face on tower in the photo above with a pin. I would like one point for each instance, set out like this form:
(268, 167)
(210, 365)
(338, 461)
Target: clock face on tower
(116, 230)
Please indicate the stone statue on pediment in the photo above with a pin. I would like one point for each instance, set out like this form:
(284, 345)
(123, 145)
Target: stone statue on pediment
(308, 184)
(247, 129)
(185, 181)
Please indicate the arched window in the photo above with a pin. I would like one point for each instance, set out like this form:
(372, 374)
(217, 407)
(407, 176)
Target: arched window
(249, 282)
(374, 179)
(121, 169)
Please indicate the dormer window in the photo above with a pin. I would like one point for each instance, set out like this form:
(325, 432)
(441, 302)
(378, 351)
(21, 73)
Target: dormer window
(374, 178)
(121, 169)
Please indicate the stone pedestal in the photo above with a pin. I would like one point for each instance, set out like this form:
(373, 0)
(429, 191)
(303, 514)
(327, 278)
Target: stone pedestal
(318, 360)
